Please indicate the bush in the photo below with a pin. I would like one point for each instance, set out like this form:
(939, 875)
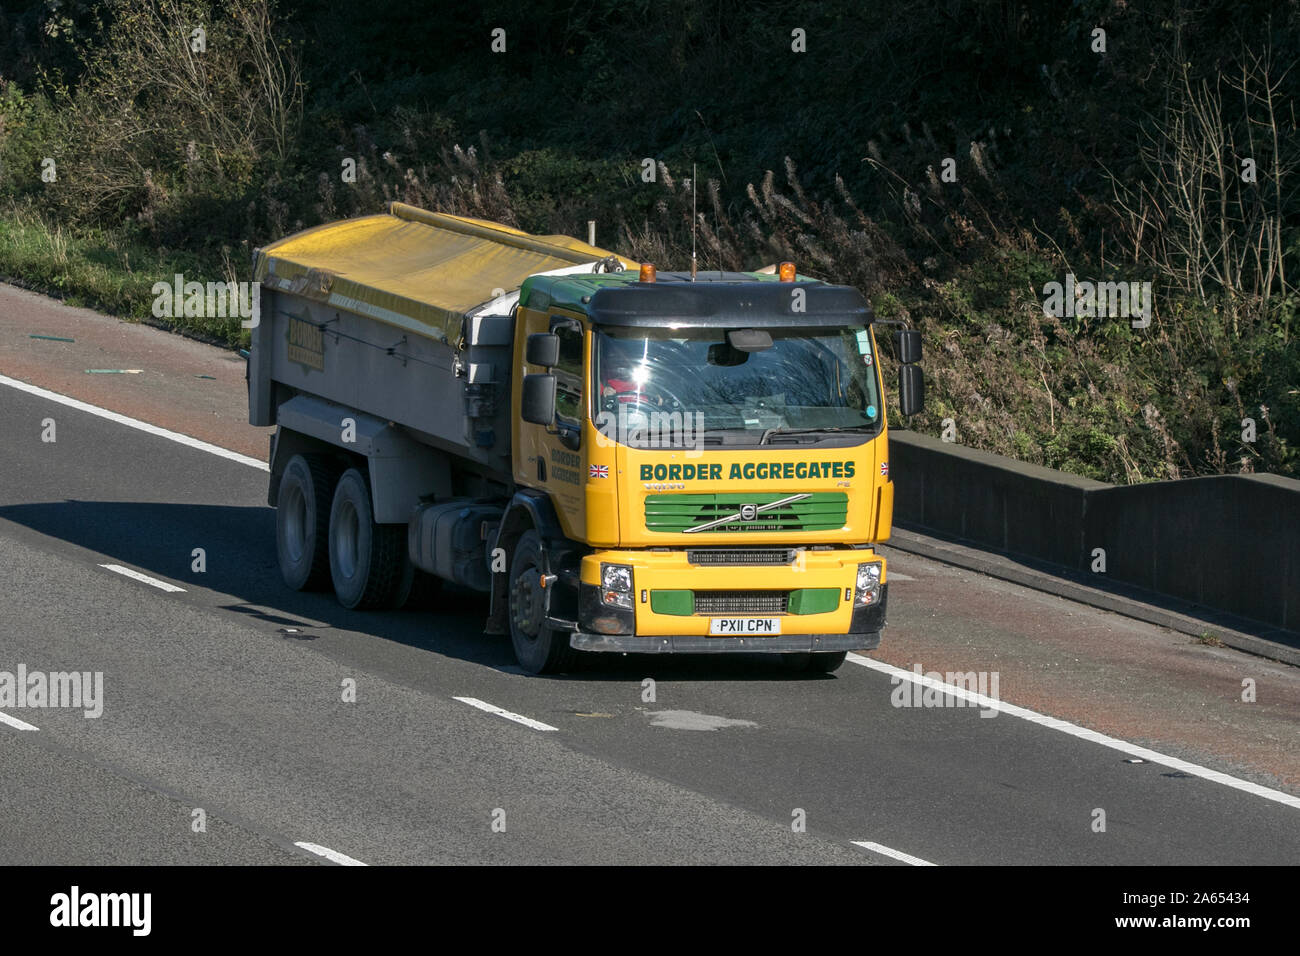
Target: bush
(949, 167)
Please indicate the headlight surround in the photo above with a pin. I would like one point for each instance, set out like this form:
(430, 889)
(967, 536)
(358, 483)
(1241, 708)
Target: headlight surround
(616, 585)
(868, 589)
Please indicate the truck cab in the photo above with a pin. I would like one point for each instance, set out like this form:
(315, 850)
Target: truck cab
(715, 449)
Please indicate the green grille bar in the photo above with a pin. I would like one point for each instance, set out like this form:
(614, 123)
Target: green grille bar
(817, 511)
(814, 600)
(802, 601)
(680, 603)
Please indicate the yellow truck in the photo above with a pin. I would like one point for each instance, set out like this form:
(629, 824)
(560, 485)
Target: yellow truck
(625, 461)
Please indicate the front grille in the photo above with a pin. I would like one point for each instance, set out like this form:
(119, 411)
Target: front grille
(749, 557)
(741, 602)
(799, 511)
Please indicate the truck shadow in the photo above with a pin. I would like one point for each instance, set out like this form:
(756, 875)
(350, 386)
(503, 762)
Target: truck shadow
(239, 561)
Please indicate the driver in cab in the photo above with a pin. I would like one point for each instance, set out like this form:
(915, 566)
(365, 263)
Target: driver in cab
(626, 383)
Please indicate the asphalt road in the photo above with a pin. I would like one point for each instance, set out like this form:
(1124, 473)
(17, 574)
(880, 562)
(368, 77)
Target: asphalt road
(228, 698)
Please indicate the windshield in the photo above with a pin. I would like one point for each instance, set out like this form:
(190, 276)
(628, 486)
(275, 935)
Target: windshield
(808, 382)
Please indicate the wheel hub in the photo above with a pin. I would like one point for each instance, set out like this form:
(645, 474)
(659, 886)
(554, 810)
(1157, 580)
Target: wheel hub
(346, 535)
(295, 524)
(526, 602)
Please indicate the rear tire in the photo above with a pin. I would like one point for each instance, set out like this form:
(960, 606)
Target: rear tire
(368, 562)
(538, 648)
(302, 520)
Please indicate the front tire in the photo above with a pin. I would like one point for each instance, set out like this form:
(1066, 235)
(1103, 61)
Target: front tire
(827, 662)
(538, 648)
(425, 593)
(816, 662)
(368, 562)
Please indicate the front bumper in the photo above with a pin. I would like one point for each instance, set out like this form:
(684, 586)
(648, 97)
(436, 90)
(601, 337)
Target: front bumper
(813, 594)
(862, 633)
(698, 644)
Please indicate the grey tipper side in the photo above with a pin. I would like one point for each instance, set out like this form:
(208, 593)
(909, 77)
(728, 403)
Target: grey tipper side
(452, 396)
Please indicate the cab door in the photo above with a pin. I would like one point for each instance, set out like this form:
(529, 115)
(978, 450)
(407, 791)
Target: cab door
(552, 458)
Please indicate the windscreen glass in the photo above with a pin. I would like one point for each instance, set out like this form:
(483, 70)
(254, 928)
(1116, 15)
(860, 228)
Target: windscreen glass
(746, 384)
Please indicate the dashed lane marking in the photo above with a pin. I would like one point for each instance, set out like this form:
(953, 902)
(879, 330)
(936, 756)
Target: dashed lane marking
(517, 718)
(892, 854)
(144, 578)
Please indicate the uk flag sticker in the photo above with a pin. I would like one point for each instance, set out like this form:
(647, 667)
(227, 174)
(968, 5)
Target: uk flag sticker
(598, 471)
(884, 469)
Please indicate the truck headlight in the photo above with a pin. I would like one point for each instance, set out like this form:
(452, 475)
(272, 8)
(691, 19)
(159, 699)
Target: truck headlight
(616, 585)
(868, 590)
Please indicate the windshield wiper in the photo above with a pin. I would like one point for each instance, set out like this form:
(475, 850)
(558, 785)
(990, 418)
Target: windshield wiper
(812, 431)
(719, 434)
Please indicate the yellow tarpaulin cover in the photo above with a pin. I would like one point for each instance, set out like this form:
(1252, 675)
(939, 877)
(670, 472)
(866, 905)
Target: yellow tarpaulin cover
(418, 270)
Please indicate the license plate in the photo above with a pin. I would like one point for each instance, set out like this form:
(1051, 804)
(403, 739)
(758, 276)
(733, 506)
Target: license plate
(744, 626)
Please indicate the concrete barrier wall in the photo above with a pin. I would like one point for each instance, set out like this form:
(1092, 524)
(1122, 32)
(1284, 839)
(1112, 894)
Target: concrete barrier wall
(1230, 543)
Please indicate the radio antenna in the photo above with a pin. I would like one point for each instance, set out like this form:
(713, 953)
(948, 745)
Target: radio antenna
(693, 221)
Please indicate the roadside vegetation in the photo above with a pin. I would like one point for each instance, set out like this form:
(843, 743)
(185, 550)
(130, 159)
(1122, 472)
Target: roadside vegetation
(948, 159)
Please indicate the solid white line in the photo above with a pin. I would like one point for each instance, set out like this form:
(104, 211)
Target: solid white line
(1083, 733)
(517, 718)
(133, 423)
(15, 723)
(137, 576)
(334, 856)
(896, 576)
(896, 854)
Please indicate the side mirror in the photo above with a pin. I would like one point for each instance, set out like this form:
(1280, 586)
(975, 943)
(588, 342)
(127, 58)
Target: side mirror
(907, 343)
(911, 389)
(542, 348)
(537, 403)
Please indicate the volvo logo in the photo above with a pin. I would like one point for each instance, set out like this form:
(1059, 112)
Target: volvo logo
(746, 512)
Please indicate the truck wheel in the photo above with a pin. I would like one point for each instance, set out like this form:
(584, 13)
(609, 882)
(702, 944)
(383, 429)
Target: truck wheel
(795, 662)
(538, 648)
(827, 662)
(425, 591)
(302, 516)
(821, 662)
(368, 561)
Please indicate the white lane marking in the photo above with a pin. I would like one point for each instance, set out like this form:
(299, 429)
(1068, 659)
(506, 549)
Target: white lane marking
(895, 854)
(334, 856)
(1083, 733)
(517, 718)
(15, 723)
(133, 423)
(137, 576)
(896, 576)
